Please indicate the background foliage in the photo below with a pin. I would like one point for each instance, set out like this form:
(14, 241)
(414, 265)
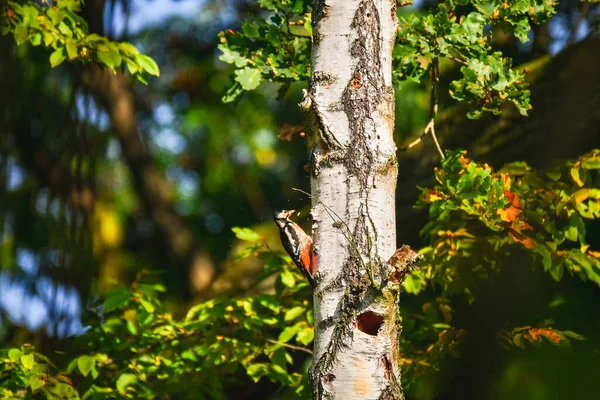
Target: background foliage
(121, 276)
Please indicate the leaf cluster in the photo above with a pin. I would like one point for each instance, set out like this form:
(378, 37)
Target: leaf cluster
(273, 47)
(60, 28)
(461, 31)
(277, 48)
(136, 349)
(481, 222)
(476, 212)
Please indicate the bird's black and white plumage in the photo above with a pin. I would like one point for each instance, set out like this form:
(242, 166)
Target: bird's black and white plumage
(296, 243)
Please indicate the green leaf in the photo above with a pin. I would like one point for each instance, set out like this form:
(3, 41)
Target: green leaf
(591, 163)
(288, 279)
(85, 364)
(573, 335)
(251, 29)
(141, 78)
(93, 390)
(232, 57)
(557, 270)
(248, 77)
(147, 306)
(412, 284)
(306, 336)
(116, 298)
(14, 354)
(148, 64)
(246, 234)
(518, 341)
(256, 371)
(110, 58)
(28, 361)
(232, 93)
(288, 333)
(57, 57)
(269, 301)
(124, 381)
(35, 382)
(543, 251)
(150, 289)
(72, 49)
(21, 34)
(64, 29)
(294, 313)
(94, 38)
(49, 38)
(129, 49)
(36, 39)
(132, 66)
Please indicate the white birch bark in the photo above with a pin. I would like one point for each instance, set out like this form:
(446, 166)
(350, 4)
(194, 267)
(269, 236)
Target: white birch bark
(354, 171)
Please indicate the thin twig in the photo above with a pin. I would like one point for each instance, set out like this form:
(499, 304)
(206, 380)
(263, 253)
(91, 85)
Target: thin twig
(435, 83)
(456, 59)
(290, 346)
(433, 109)
(148, 348)
(329, 211)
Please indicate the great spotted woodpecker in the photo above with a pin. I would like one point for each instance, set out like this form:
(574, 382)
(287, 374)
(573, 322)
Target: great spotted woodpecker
(296, 243)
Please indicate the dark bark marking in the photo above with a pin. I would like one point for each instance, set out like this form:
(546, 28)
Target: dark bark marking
(393, 389)
(388, 368)
(320, 78)
(364, 91)
(320, 9)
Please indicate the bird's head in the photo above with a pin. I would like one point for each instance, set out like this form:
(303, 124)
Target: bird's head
(281, 217)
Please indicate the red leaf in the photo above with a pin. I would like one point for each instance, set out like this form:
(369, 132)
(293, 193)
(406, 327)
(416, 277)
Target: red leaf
(513, 198)
(509, 214)
(520, 238)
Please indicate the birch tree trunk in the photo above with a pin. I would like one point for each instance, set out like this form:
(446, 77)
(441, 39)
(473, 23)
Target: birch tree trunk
(354, 169)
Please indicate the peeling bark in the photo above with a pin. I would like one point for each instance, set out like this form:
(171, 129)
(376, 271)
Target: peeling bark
(353, 166)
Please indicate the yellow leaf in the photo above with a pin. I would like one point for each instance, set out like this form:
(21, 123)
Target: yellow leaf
(576, 177)
(581, 195)
(594, 253)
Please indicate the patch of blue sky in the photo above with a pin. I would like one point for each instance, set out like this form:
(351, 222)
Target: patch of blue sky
(242, 154)
(114, 150)
(264, 139)
(87, 110)
(164, 114)
(28, 260)
(147, 13)
(169, 139)
(20, 306)
(16, 177)
(34, 309)
(560, 31)
(189, 183)
(41, 201)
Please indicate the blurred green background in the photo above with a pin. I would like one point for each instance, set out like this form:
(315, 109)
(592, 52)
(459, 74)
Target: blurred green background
(101, 178)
